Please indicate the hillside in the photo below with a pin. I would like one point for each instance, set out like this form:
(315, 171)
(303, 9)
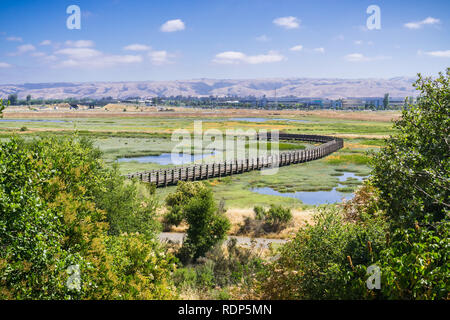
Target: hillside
(299, 87)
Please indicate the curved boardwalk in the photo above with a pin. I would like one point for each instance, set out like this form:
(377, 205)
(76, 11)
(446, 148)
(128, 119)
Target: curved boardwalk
(171, 176)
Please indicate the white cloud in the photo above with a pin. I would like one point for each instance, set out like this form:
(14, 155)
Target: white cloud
(297, 48)
(236, 57)
(358, 57)
(420, 24)
(23, 49)
(137, 47)
(172, 26)
(160, 57)
(88, 57)
(360, 42)
(287, 22)
(263, 38)
(45, 43)
(80, 43)
(355, 57)
(5, 65)
(79, 53)
(439, 54)
(17, 39)
(319, 50)
(101, 62)
(339, 37)
(38, 54)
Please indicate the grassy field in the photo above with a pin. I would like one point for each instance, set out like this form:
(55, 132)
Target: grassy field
(136, 135)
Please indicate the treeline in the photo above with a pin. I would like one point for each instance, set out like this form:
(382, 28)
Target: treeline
(13, 100)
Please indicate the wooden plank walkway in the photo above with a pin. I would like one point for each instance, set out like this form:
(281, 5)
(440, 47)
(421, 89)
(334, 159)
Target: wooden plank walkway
(170, 176)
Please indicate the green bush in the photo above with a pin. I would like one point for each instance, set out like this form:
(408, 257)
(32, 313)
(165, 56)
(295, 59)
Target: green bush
(277, 217)
(2, 107)
(266, 221)
(221, 267)
(415, 265)
(412, 171)
(207, 226)
(319, 262)
(176, 201)
(51, 191)
(130, 206)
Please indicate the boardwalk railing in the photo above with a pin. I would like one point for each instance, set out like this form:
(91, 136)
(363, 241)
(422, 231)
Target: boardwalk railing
(171, 176)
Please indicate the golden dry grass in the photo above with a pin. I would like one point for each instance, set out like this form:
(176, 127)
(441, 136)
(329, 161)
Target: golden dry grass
(237, 217)
(116, 110)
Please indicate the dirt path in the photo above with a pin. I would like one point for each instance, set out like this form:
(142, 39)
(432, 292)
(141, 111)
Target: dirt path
(177, 237)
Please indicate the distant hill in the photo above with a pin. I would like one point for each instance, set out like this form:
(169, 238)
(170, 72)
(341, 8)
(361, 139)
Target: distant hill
(298, 87)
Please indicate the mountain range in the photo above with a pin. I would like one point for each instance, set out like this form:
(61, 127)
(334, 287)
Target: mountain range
(281, 87)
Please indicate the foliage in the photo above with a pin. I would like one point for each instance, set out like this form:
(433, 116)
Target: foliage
(277, 216)
(416, 264)
(265, 221)
(12, 99)
(2, 107)
(144, 270)
(130, 205)
(401, 214)
(207, 226)
(221, 267)
(412, 171)
(176, 201)
(318, 263)
(50, 219)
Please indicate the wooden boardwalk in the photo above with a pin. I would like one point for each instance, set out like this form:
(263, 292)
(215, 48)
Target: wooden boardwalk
(170, 176)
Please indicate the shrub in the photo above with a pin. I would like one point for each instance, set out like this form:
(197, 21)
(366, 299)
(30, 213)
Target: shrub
(266, 221)
(50, 219)
(221, 267)
(314, 265)
(130, 205)
(277, 217)
(207, 226)
(176, 201)
(412, 171)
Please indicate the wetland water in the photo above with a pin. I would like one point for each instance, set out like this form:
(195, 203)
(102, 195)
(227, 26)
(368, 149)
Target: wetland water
(314, 197)
(166, 158)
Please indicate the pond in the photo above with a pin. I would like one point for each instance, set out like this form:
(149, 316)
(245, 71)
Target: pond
(266, 119)
(166, 158)
(314, 197)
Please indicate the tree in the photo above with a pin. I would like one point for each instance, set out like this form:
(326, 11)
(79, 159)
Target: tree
(2, 107)
(12, 99)
(177, 201)
(386, 101)
(207, 225)
(412, 171)
(29, 99)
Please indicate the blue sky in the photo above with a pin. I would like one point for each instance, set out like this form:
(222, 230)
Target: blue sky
(175, 40)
